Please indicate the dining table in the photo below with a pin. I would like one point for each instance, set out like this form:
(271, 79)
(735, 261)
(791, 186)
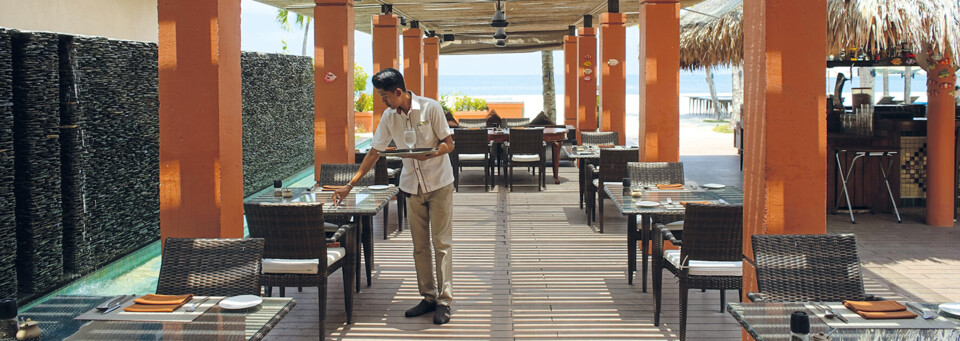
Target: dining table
(668, 209)
(362, 203)
(57, 318)
(770, 321)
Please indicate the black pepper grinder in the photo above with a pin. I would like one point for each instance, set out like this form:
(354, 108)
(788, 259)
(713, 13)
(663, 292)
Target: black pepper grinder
(626, 186)
(277, 188)
(799, 326)
(8, 319)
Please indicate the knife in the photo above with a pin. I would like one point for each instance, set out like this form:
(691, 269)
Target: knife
(927, 314)
(840, 317)
(119, 304)
(106, 305)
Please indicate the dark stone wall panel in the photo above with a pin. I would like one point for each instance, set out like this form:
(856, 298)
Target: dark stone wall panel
(277, 117)
(37, 161)
(8, 229)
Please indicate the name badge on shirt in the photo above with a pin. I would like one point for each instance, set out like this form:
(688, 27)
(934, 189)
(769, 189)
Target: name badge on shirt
(423, 123)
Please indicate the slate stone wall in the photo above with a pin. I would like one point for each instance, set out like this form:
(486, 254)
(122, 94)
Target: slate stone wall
(277, 117)
(8, 227)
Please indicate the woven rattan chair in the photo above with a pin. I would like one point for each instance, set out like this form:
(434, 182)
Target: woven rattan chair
(811, 267)
(515, 122)
(296, 252)
(588, 138)
(472, 149)
(655, 173)
(526, 148)
(613, 168)
(709, 256)
(210, 267)
(472, 123)
(339, 174)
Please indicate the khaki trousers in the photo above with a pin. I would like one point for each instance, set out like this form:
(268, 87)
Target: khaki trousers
(431, 215)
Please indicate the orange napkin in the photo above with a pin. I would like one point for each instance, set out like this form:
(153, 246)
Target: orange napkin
(879, 309)
(670, 186)
(151, 303)
(684, 203)
(606, 145)
(391, 148)
(332, 187)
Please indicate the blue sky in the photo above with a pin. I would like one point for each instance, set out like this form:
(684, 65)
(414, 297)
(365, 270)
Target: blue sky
(261, 33)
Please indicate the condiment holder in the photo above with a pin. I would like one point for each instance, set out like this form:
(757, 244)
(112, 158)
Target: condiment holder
(29, 331)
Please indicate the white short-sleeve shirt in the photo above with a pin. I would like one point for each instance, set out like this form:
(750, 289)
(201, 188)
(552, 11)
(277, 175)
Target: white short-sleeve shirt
(427, 120)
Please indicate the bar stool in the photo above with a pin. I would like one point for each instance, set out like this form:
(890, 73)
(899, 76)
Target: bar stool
(858, 154)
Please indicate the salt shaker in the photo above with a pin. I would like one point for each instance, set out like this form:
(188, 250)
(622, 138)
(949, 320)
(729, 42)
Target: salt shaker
(277, 188)
(626, 186)
(799, 326)
(8, 319)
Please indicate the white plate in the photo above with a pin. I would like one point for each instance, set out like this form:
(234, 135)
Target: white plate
(952, 308)
(240, 302)
(647, 203)
(378, 187)
(713, 186)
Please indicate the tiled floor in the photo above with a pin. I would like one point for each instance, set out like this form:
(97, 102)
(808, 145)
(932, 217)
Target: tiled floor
(526, 266)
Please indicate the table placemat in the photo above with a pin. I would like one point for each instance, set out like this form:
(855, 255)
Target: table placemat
(858, 322)
(179, 315)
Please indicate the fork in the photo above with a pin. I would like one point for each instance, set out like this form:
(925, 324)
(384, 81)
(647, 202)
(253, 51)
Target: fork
(828, 313)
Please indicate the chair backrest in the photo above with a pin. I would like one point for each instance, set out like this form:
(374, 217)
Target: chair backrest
(515, 122)
(289, 231)
(653, 173)
(341, 173)
(813, 267)
(473, 123)
(470, 141)
(613, 163)
(526, 141)
(210, 267)
(712, 232)
(589, 138)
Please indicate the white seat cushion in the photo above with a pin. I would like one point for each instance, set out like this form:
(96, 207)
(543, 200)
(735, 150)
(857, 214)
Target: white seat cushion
(330, 226)
(472, 157)
(677, 225)
(391, 172)
(301, 266)
(525, 157)
(705, 268)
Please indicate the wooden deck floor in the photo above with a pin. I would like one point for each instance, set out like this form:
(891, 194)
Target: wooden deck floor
(526, 266)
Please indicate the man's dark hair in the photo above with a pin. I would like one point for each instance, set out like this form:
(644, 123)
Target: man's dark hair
(389, 79)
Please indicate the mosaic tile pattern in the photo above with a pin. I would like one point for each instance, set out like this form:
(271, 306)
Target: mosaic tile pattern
(8, 229)
(913, 161)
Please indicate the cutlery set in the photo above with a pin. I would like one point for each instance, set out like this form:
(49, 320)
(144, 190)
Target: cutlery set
(114, 304)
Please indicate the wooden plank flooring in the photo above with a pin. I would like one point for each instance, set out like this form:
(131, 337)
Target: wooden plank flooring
(526, 266)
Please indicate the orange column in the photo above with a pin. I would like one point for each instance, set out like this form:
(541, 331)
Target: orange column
(201, 171)
(386, 54)
(785, 167)
(941, 122)
(570, 91)
(660, 80)
(613, 76)
(413, 60)
(333, 83)
(587, 79)
(431, 64)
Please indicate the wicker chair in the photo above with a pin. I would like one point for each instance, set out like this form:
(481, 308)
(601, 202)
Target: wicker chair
(294, 236)
(613, 168)
(812, 267)
(473, 123)
(655, 173)
(472, 149)
(588, 138)
(515, 122)
(210, 267)
(526, 148)
(709, 256)
(342, 173)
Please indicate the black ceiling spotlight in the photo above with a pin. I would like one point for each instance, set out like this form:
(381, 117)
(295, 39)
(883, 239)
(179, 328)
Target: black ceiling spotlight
(571, 30)
(587, 20)
(414, 24)
(501, 43)
(501, 34)
(386, 9)
(499, 18)
(613, 6)
(448, 37)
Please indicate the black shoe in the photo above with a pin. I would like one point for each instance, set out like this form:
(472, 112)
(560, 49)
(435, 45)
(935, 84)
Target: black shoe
(442, 315)
(422, 308)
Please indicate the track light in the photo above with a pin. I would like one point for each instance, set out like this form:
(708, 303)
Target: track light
(499, 18)
(500, 34)
(501, 43)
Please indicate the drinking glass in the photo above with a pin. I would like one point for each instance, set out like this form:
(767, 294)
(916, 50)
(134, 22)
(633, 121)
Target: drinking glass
(410, 138)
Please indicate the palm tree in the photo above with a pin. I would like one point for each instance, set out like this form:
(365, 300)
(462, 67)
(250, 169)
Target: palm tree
(301, 21)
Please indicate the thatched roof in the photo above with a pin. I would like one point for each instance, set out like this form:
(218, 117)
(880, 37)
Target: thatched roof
(534, 25)
(872, 25)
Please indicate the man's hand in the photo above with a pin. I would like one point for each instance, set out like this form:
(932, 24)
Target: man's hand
(341, 193)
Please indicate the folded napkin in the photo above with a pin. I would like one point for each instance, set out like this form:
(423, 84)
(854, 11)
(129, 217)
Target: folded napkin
(670, 186)
(151, 303)
(684, 203)
(391, 148)
(879, 309)
(332, 187)
(605, 145)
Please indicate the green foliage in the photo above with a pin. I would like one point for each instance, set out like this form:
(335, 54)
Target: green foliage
(283, 18)
(364, 102)
(716, 121)
(359, 79)
(723, 128)
(445, 103)
(466, 103)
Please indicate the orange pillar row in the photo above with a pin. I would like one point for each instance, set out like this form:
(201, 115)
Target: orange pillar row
(413, 60)
(587, 79)
(941, 122)
(785, 156)
(333, 83)
(386, 54)
(570, 91)
(431, 64)
(659, 80)
(201, 170)
(613, 86)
